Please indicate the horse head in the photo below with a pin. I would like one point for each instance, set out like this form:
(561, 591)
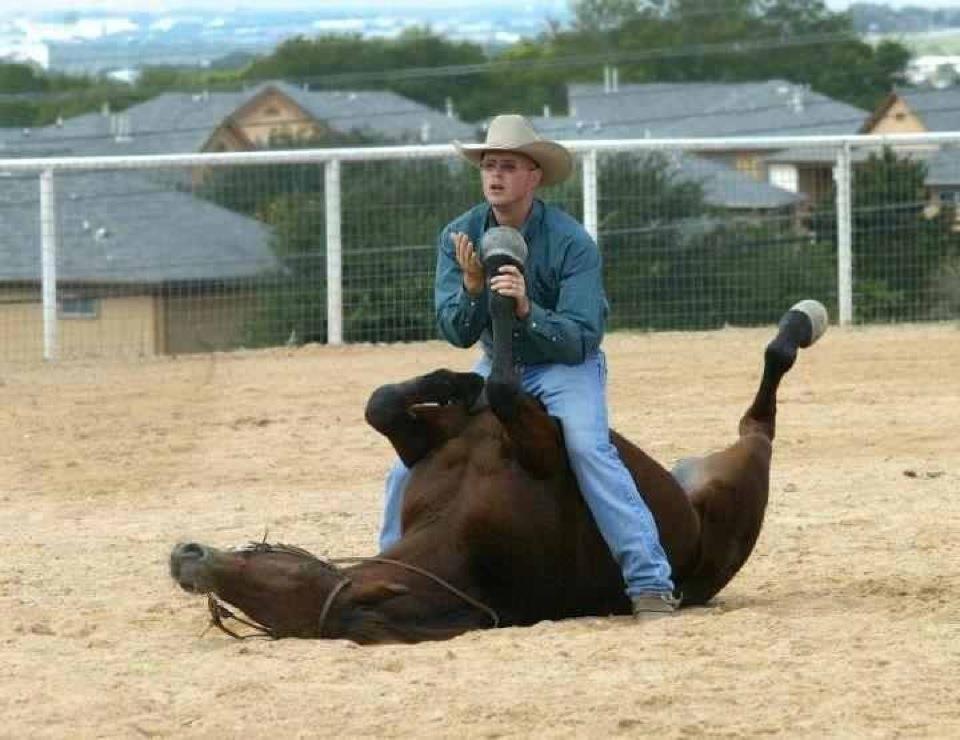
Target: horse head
(285, 590)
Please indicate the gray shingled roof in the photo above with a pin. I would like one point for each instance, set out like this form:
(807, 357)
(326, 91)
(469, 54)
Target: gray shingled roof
(727, 187)
(695, 109)
(943, 167)
(120, 227)
(182, 122)
(380, 113)
(723, 186)
(938, 109)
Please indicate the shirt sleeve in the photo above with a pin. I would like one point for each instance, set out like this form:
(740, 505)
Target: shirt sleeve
(460, 316)
(575, 329)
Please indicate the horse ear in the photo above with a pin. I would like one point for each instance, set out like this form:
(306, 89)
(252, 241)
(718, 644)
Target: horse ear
(376, 592)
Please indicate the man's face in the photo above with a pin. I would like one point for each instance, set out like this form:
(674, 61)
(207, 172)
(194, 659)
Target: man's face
(508, 177)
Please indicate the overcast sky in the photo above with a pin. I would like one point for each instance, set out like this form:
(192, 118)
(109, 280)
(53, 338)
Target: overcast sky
(11, 8)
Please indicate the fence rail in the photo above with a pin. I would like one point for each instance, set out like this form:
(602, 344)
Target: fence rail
(167, 254)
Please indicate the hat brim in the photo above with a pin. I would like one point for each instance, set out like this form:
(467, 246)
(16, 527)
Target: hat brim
(554, 160)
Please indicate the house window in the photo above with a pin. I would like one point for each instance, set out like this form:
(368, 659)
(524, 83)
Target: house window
(785, 176)
(78, 307)
(950, 196)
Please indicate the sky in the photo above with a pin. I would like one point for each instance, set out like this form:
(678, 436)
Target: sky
(10, 8)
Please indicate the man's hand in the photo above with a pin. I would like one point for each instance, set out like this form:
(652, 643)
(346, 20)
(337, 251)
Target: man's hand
(469, 263)
(509, 282)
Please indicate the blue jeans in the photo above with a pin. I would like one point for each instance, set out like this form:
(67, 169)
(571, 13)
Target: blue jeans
(577, 396)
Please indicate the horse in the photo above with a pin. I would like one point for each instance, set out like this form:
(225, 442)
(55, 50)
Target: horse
(494, 529)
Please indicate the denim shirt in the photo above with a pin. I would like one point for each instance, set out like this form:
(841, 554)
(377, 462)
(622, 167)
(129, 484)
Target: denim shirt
(564, 279)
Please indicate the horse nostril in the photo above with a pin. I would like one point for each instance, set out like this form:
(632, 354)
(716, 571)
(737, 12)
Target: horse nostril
(191, 551)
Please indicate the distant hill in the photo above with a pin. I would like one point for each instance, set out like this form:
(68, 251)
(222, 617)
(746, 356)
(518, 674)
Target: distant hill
(881, 19)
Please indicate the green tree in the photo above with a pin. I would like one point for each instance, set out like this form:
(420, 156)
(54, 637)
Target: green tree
(672, 261)
(21, 78)
(739, 40)
(900, 246)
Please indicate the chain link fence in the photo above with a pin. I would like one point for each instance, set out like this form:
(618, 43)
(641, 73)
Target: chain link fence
(163, 255)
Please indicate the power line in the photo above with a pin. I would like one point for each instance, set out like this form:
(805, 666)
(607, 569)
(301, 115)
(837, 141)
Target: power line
(545, 128)
(571, 61)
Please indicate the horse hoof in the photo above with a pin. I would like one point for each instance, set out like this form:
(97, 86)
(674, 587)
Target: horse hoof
(817, 317)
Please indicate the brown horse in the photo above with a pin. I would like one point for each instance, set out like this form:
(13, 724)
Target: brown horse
(495, 531)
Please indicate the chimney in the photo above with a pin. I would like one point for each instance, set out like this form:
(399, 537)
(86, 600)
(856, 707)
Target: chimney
(796, 100)
(449, 106)
(424, 132)
(105, 108)
(615, 80)
(120, 127)
(546, 111)
(606, 79)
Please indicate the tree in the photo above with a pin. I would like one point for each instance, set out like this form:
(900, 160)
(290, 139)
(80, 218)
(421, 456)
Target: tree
(21, 78)
(388, 253)
(701, 40)
(900, 247)
(672, 261)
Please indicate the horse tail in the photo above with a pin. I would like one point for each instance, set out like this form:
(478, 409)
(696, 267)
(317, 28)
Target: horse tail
(799, 328)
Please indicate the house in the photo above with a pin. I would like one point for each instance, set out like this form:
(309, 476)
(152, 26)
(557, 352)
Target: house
(914, 111)
(714, 109)
(724, 187)
(141, 269)
(175, 122)
(922, 110)
(146, 267)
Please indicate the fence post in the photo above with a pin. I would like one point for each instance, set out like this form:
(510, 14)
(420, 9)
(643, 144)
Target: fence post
(48, 263)
(590, 218)
(842, 177)
(331, 190)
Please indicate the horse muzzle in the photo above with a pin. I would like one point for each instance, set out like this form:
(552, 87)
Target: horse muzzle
(190, 567)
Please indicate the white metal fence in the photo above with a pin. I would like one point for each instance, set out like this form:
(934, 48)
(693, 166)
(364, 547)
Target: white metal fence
(171, 254)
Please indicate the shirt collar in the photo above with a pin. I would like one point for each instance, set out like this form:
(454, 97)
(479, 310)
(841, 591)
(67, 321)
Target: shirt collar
(530, 226)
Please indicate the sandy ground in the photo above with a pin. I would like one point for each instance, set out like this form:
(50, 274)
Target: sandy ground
(844, 622)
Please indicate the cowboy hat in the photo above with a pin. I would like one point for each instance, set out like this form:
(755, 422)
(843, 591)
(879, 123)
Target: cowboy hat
(513, 133)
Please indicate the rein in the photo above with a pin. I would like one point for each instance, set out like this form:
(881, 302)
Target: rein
(494, 617)
(218, 612)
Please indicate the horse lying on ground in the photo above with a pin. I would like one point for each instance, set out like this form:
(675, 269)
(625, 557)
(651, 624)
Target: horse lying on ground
(495, 531)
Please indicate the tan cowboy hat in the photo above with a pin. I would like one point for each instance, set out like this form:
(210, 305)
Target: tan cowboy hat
(513, 133)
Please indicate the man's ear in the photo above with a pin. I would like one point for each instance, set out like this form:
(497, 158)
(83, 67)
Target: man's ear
(376, 592)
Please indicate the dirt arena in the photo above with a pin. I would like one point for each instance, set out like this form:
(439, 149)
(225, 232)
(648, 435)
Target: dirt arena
(843, 623)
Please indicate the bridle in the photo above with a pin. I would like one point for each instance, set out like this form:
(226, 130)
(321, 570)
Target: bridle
(218, 612)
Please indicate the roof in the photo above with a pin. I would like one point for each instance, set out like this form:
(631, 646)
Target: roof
(378, 112)
(182, 122)
(121, 227)
(714, 109)
(726, 187)
(943, 168)
(723, 185)
(943, 165)
(938, 109)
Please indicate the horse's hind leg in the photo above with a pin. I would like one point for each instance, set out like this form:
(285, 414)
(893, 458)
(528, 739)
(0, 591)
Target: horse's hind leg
(799, 327)
(729, 488)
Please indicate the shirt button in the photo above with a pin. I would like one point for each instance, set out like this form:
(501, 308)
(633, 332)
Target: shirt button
(534, 325)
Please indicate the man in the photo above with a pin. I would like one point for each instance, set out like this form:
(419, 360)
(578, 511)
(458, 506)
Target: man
(560, 309)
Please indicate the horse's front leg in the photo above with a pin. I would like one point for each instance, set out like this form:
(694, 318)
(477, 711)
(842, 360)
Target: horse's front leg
(535, 436)
(399, 411)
